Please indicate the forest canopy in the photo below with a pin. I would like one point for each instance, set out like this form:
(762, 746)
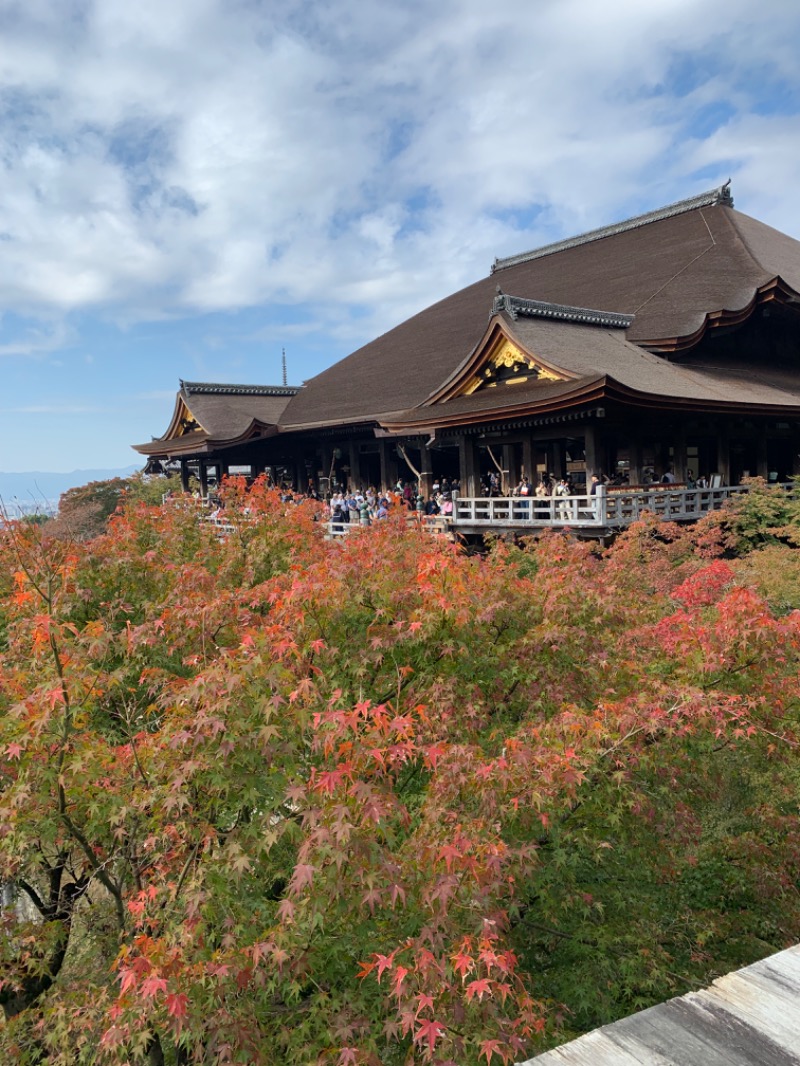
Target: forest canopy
(269, 798)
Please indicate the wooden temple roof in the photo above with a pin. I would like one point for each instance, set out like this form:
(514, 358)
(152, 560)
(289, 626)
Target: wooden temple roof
(661, 282)
(678, 272)
(583, 360)
(209, 415)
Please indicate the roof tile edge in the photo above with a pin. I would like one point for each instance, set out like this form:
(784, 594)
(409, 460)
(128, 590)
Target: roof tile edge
(516, 306)
(720, 195)
(210, 388)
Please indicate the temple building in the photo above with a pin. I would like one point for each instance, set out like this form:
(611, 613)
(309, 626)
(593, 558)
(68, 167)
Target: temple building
(668, 342)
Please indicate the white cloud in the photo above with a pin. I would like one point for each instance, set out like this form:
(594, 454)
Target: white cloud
(37, 339)
(162, 159)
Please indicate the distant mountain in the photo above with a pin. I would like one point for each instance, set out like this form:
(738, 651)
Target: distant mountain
(38, 489)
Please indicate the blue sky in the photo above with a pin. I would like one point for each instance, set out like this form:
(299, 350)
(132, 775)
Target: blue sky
(190, 187)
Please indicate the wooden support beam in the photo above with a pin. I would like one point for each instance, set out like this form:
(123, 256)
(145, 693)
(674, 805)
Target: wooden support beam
(469, 472)
(389, 473)
(724, 453)
(426, 471)
(762, 461)
(679, 453)
(528, 463)
(590, 453)
(355, 466)
(510, 471)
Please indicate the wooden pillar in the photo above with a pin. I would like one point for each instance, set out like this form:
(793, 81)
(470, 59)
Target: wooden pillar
(528, 464)
(426, 471)
(636, 471)
(557, 460)
(510, 472)
(679, 453)
(184, 475)
(762, 461)
(468, 467)
(590, 454)
(724, 453)
(203, 478)
(300, 474)
(355, 466)
(325, 481)
(389, 474)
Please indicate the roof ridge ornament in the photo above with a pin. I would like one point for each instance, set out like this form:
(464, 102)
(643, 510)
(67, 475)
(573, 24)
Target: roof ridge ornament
(721, 196)
(514, 306)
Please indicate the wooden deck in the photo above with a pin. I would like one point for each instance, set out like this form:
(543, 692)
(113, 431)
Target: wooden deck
(749, 1018)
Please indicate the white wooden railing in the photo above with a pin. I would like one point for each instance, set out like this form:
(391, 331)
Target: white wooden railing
(603, 510)
(608, 509)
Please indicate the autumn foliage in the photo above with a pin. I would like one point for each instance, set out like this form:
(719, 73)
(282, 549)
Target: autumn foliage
(268, 798)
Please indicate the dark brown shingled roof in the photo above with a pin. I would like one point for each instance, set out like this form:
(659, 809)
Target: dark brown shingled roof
(224, 413)
(671, 272)
(589, 351)
(604, 360)
(227, 411)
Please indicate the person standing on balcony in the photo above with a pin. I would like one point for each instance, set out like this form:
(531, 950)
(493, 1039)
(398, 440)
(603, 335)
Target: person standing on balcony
(562, 491)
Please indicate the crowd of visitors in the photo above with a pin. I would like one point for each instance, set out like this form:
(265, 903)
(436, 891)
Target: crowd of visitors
(365, 506)
(550, 496)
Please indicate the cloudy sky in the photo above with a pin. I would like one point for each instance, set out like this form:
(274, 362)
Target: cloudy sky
(189, 186)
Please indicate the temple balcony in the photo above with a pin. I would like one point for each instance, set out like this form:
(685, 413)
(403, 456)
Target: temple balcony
(595, 516)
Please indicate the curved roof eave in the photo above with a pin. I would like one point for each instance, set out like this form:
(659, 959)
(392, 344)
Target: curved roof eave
(202, 442)
(774, 290)
(163, 447)
(587, 390)
(616, 390)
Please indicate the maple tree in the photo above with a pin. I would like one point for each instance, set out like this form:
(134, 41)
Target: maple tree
(272, 798)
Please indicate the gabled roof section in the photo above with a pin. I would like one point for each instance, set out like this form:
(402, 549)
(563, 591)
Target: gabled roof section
(720, 195)
(211, 415)
(183, 421)
(503, 359)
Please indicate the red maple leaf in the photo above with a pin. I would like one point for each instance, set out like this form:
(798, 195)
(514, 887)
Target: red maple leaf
(384, 962)
(177, 1004)
(463, 964)
(152, 985)
(400, 974)
(303, 875)
(490, 1048)
(480, 988)
(429, 1032)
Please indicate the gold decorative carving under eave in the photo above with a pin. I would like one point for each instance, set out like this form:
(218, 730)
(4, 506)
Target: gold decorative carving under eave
(184, 422)
(506, 358)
